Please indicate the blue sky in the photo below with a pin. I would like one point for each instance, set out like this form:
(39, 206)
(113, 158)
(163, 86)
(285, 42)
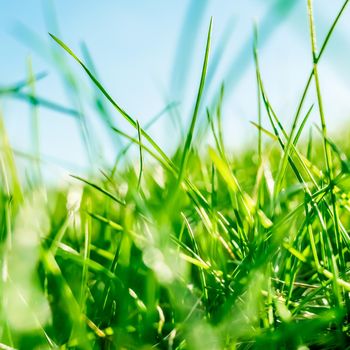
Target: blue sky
(148, 53)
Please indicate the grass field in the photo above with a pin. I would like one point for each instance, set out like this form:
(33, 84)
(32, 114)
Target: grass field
(200, 249)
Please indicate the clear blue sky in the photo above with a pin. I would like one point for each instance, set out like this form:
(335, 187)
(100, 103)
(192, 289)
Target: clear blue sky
(148, 53)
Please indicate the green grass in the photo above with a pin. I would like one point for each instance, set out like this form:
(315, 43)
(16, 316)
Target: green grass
(199, 249)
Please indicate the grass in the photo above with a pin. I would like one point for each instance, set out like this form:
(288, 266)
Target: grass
(194, 250)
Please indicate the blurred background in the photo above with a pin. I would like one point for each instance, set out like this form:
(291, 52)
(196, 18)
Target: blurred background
(148, 55)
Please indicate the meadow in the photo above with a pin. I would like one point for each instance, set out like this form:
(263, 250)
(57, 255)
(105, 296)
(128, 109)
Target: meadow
(198, 249)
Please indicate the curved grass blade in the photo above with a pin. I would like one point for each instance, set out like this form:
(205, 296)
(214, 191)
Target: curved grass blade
(152, 121)
(317, 58)
(189, 137)
(100, 189)
(167, 165)
(141, 156)
(129, 119)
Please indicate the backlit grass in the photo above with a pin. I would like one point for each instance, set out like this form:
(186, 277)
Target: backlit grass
(198, 249)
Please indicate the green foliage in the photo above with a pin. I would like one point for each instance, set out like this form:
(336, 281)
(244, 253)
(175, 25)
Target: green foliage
(198, 250)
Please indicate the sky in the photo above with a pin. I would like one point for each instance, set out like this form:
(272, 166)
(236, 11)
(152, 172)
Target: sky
(149, 53)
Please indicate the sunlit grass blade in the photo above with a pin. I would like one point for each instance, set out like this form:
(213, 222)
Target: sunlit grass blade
(189, 137)
(108, 96)
(306, 89)
(100, 189)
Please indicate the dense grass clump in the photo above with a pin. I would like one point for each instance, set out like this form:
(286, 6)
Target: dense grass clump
(197, 250)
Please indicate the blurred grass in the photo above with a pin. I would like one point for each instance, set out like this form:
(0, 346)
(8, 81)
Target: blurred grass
(200, 249)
